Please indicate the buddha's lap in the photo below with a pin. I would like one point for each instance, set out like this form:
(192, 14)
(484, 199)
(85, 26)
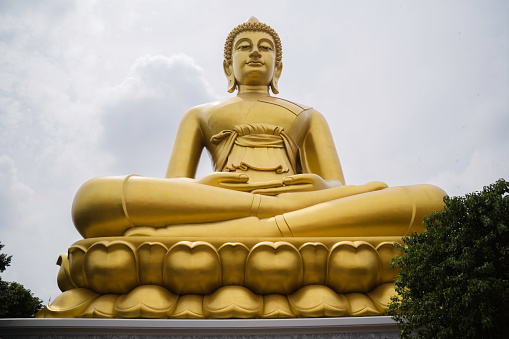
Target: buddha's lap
(101, 206)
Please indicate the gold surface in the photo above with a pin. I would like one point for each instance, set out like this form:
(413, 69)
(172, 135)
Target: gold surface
(274, 232)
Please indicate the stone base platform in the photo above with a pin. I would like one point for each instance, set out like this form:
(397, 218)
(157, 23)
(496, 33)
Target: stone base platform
(347, 327)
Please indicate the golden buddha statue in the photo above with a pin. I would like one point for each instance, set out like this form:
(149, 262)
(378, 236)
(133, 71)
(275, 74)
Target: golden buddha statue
(280, 226)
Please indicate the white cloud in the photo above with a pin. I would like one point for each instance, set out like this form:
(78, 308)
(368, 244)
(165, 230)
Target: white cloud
(484, 168)
(14, 193)
(25, 231)
(141, 115)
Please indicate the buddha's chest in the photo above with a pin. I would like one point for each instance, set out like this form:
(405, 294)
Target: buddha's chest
(245, 112)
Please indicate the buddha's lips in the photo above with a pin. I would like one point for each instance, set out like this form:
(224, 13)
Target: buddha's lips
(255, 63)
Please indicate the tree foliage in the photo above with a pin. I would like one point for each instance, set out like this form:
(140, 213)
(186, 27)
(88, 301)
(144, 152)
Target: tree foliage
(4, 259)
(454, 278)
(15, 300)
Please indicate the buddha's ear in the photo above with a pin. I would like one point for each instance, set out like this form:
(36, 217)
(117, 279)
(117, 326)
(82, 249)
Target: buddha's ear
(275, 78)
(228, 71)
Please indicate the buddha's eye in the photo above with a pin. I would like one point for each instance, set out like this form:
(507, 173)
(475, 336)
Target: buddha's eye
(243, 47)
(265, 48)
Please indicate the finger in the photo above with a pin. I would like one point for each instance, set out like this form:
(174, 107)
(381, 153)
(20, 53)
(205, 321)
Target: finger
(215, 176)
(235, 187)
(251, 186)
(376, 185)
(267, 184)
(298, 179)
(284, 189)
(232, 177)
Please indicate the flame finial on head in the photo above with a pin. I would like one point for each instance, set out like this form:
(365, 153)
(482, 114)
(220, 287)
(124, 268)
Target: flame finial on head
(252, 19)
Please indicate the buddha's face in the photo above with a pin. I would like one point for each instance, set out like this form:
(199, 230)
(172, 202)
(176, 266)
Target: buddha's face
(253, 57)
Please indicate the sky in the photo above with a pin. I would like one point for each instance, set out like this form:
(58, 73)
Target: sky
(413, 91)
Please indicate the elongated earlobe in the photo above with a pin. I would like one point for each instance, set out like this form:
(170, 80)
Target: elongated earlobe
(228, 71)
(275, 78)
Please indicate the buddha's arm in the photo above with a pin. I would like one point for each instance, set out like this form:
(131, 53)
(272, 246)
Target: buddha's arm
(318, 153)
(187, 147)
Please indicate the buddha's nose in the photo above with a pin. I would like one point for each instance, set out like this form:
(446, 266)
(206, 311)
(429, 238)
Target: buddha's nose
(255, 54)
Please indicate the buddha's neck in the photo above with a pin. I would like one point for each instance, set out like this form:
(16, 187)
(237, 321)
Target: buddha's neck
(247, 89)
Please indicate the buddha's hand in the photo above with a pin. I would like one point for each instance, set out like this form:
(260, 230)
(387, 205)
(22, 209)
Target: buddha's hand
(300, 183)
(235, 181)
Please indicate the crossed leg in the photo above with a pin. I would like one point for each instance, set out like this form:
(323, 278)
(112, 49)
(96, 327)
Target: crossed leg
(109, 206)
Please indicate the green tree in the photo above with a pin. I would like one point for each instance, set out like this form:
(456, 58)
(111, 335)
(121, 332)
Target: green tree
(15, 300)
(454, 278)
(4, 259)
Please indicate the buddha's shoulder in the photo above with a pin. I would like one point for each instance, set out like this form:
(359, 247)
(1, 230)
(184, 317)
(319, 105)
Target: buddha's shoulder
(206, 109)
(214, 105)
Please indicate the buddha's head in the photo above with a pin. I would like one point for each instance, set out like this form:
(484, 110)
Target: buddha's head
(252, 56)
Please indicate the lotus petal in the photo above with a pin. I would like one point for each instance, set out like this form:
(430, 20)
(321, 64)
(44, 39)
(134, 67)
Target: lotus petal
(147, 301)
(274, 268)
(353, 267)
(314, 257)
(276, 306)
(386, 251)
(361, 306)
(233, 262)
(111, 267)
(381, 296)
(64, 280)
(233, 302)
(70, 304)
(151, 257)
(189, 306)
(192, 268)
(76, 255)
(102, 307)
(318, 301)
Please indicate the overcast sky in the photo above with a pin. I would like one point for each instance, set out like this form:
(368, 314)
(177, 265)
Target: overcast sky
(414, 92)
